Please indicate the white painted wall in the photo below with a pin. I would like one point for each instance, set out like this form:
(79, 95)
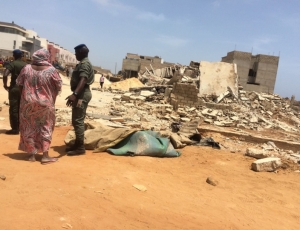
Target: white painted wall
(215, 77)
(31, 34)
(44, 43)
(7, 41)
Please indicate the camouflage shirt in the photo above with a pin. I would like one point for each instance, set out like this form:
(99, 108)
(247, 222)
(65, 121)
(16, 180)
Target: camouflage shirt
(83, 69)
(15, 68)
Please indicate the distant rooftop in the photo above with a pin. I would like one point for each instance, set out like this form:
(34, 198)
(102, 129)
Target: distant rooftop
(12, 24)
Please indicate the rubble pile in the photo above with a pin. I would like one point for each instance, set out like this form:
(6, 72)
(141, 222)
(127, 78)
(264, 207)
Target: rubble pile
(170, 75)
(270, 157)
(251, 110)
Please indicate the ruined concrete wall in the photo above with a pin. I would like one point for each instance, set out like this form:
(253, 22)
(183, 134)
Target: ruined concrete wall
(185, 94)
(243, 62)
(264, 66)
(216, 77)
(131, 64)
(267, 72)
(155, 65)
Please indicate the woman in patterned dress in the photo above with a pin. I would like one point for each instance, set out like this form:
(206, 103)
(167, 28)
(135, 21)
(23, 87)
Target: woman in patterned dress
(39, 85)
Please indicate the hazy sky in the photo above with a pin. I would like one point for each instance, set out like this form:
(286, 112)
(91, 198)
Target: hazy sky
(176, 30)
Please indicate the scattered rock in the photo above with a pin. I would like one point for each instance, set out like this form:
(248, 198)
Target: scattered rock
(2, 177)
(212, 181)
(140, 187)
(117, 119)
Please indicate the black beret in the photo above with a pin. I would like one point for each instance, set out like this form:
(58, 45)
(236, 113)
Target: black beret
(80, 46)
(17, 52)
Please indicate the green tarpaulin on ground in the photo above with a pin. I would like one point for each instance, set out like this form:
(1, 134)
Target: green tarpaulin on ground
(144, 143)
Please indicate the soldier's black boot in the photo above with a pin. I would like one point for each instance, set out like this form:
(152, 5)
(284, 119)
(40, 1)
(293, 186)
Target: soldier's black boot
(80, 149)
(12, 132)
(72, 147)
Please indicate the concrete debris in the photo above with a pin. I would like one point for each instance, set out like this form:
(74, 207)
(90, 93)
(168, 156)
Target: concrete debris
(189, 96)
(266, 165)
(140, 187)
(257, 153)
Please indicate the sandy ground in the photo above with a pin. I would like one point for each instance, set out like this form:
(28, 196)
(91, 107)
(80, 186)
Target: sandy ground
(96, 191)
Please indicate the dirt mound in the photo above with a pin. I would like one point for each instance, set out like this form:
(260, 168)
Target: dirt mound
(126, 84)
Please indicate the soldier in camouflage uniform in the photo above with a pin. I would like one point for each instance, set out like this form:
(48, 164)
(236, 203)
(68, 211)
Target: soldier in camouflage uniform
(81, 79)
(14, 68)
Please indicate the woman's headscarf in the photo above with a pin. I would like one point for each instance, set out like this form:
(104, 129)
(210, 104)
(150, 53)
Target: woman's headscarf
(41, 57)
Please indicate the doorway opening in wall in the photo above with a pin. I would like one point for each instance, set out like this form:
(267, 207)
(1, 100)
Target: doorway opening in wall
(131, 73)
(252, 77)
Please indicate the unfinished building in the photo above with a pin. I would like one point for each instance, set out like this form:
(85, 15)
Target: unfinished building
(256, 72)
(134, 63)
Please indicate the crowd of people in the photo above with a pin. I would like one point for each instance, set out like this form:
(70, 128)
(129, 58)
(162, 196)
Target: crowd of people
(4, 62)
(32, 94)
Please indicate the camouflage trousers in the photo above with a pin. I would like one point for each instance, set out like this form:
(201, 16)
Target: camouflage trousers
(14, 105)
(79, 113)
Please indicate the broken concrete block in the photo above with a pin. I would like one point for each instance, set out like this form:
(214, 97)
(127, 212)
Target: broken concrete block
(191, 109)
(167, 117)
(218, 123)
(253, 119)
(134, 125)
(256, 153)
(241, 126)
(181, 112)
(126, 96)
(117, 97)
(235, 118)
(252, 96)
(144, 119)
(244, 99)
(117, 119)
(175, 140)
(210, 112)
(185, 119)
(267, 147)
(266, 165)
(175, 118)
(184, 139)
(146, 93)
(209, 121)
(133, 97)
(129, 104)
(141, 98)
(222, 96)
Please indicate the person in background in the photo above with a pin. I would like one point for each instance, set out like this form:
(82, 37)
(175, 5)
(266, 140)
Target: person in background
(82, 78)
(39, 85)
(102, 81)
(14, 68)
(67, 72)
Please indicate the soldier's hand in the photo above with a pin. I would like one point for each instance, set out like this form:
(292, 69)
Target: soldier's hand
(6, 87)
(71, 100)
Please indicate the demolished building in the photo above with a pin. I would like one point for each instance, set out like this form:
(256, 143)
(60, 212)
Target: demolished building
(134, 63)
(256, 72)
